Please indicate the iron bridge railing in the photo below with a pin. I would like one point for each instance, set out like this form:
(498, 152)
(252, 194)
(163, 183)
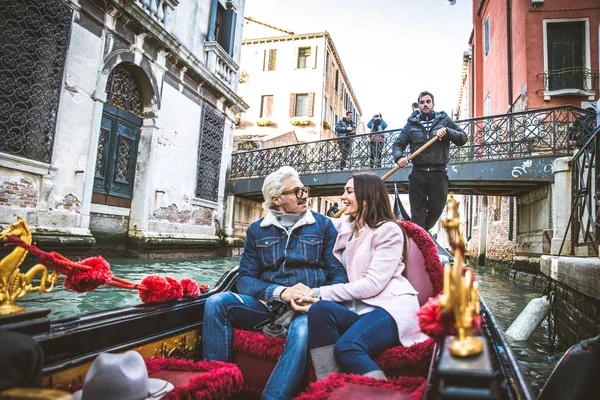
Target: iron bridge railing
(584, 220)
(540, 132)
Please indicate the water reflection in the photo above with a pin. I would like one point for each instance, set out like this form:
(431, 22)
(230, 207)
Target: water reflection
(507, 299)
(64, 303)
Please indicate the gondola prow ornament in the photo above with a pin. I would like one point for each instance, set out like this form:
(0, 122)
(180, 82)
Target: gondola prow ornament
(14, 283)
(460, 289)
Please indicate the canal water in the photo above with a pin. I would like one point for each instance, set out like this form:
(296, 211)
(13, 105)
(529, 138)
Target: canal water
(505, 298)
(64, 303)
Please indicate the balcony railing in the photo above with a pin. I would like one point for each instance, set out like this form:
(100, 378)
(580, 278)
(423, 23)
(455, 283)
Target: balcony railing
(221, 64)
(159, 10)
(524, 134)
(576, 78)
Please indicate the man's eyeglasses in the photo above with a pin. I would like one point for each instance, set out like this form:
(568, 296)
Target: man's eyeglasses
(298, 191)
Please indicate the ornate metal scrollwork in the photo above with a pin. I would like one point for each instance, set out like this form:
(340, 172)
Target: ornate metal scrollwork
(123, 91)
(209, 154)
(495, 137)
(34, 36)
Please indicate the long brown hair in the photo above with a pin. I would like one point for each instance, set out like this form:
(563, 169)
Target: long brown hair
(372, 199)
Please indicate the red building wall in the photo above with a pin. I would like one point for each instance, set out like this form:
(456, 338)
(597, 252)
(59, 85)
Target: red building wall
(527, 40)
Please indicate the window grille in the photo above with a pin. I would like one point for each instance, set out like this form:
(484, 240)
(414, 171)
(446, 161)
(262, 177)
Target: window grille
(210, 151)
(124, 92)
(34, 38)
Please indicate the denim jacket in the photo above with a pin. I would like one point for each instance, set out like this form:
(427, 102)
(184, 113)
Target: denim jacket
(273, 260)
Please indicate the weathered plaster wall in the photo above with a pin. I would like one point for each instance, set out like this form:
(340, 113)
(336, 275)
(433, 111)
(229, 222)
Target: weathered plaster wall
(534, 211)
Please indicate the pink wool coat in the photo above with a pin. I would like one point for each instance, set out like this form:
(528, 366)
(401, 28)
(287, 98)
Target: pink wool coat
(374, 265)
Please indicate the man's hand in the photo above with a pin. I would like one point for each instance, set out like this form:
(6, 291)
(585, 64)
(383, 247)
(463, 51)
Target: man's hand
(302, 305)
(402, 162)
(295, 292)
(441, 132)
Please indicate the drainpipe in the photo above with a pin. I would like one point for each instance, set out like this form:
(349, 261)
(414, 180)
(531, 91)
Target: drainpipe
(509, 53)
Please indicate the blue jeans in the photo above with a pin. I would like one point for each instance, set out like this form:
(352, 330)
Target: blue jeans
(223, 311)
(357, 338)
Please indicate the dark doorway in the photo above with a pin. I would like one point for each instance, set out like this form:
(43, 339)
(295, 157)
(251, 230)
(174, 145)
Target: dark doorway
(118, 140)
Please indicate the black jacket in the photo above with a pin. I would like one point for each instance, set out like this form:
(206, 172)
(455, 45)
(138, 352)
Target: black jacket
(414, 133)
(341, 128)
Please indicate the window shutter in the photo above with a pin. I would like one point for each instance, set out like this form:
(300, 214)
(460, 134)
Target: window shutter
(315, 52)
(292, 104)
(265, 61)
(311, 101)
(269, 106)
(296, 56)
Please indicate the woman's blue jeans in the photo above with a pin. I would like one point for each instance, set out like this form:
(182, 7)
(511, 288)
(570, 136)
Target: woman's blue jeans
(223, 311)
(357, 338)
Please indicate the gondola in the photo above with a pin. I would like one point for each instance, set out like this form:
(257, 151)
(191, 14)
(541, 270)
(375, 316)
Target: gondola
(173, 330)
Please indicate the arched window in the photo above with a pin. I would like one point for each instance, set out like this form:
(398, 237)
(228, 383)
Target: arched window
(124, 92)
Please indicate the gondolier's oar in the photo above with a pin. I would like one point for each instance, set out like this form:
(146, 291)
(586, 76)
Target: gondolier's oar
(397, 167)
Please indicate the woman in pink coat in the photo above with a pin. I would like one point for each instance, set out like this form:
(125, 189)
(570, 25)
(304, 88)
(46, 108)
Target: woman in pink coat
(377, 308)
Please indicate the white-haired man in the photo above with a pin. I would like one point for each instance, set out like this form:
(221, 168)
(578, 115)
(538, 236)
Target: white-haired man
(286, 253)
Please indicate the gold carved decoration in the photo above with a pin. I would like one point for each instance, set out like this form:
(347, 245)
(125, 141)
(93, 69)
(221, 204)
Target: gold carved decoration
(460, 290)
(13, 283)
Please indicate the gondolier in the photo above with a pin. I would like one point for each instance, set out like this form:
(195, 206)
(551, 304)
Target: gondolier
(428, 182)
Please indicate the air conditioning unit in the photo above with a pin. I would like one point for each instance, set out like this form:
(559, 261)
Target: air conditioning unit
(537, 2)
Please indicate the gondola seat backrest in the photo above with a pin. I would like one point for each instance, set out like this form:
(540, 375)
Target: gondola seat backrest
(423, 267)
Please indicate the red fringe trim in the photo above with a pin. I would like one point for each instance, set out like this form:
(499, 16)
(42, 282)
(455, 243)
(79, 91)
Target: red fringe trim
(414, 386)
(433, 264)
(218, 381)
(399, 360)
(255, 344)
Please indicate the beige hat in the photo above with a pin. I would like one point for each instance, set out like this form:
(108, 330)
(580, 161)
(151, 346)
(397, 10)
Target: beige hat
(121, 377)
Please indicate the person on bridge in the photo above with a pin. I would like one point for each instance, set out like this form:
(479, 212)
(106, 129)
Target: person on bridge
(286, 253)
(428, 181)
(344, 130)
(376, 140)
(333, 210)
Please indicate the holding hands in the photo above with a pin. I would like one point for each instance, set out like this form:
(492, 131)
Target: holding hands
(295, 292)
(300, 297)
(303, 303)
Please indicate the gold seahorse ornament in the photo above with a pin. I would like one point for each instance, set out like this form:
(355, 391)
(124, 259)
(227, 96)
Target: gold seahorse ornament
(460, 290)
(14, 283)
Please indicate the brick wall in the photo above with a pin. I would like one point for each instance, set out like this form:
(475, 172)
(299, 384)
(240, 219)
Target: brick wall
(21, 193)
(499, 247)
(574, 316)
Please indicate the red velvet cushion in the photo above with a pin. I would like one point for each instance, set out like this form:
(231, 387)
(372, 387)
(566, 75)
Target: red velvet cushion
(348, 386)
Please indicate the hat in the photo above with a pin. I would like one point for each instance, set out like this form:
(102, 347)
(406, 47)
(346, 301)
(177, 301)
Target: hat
(22, 361)
(121, 377)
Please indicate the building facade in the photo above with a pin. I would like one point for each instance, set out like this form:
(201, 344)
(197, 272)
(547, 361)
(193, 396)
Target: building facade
(293, 83)
(118, 122)
(534, 54)
(524, 56)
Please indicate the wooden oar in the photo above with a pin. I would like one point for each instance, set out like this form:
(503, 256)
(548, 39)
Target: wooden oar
(397, 167)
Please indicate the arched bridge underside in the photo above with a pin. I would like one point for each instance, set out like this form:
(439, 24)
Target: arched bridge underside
(508, 155)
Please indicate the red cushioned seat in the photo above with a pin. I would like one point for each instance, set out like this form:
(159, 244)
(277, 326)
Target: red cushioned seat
(197, 380)
(348, 387)
(257, 355)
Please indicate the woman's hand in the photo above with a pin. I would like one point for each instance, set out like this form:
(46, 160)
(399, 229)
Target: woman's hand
(302, 305)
